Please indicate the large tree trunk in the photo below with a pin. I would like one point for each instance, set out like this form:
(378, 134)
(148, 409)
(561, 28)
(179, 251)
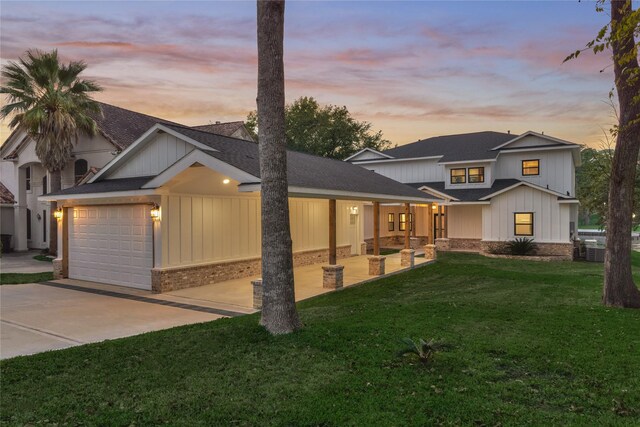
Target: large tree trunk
(279, 315)
(56, 185)
(619, 289)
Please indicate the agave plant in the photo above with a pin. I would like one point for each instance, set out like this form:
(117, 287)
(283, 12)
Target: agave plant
(423, 349)
(521, 246)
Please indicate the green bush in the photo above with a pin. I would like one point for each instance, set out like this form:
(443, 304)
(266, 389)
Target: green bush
(521, 246)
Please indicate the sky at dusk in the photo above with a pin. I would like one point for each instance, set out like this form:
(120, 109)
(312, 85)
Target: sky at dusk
(413, 69)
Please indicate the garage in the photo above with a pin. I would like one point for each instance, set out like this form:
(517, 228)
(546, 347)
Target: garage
(111, 244)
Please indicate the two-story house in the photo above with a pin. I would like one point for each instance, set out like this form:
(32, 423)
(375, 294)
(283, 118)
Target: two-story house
(495, 187)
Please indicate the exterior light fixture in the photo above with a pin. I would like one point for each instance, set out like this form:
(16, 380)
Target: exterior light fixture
(155, 212)
(353, 210)
(57, 214)
(434, 207)
(226, 181)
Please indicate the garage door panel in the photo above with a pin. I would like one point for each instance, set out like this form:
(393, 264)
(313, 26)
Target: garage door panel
(111, 244)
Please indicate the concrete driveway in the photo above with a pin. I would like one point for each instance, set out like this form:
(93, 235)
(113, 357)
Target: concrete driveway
(23, 262)
(41, 317)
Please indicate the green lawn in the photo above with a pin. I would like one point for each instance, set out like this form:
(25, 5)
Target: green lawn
(527, 343)
(17, 278)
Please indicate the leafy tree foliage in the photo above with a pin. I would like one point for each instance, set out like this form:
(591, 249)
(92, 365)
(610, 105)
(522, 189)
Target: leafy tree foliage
(324, 130)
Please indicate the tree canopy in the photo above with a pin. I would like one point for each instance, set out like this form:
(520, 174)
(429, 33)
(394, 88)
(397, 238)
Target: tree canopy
(324, 130)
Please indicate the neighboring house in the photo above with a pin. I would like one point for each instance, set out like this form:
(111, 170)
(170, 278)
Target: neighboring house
(495, 186)
(203, 192)
(23, 175)
(232, 129)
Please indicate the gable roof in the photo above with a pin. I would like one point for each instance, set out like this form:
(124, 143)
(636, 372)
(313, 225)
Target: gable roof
(369, 150)
(454, 148)
(304, 170)
(6, 196)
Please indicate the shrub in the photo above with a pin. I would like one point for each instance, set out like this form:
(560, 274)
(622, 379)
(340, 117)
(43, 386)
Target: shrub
(424, 350)
(521, 246)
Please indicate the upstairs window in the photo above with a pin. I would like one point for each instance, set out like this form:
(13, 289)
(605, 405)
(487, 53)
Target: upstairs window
(530, 167)
(458, 176)
(476, 175)
(44, 185)
(80, 168)
(391, 221)
(523, 223)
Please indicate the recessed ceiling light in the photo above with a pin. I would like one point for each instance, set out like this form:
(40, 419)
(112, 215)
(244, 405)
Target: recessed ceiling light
(226, 181)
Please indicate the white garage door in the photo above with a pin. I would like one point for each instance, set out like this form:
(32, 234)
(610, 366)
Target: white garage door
(111, 244)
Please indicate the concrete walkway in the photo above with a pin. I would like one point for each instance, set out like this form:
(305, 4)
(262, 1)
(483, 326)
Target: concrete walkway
(23, 262)
(308, 282)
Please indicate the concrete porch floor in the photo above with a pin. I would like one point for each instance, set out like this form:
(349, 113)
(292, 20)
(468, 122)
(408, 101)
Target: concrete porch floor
(308, 282)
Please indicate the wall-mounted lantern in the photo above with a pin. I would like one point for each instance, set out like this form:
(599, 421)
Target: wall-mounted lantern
(57, 214)
(434, 206)
(155, 212)
(353, 210)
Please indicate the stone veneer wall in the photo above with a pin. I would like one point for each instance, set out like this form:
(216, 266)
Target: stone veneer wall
(386, 241)
(57, 268)
(465, 244)
(563, 250)
(174, 278)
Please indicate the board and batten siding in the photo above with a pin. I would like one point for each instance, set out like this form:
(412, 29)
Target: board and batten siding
(410, 170)
(160, 153)
(556, 169)
(465, 222)
(204, 229)
(550, 218)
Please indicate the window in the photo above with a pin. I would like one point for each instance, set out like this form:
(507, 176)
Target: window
(523, 223)
(402, 224)
(458, 176)
(530, 167)
(44, 225)
(27, 173)
(28, 223)
(80, 168)
(476, 175)
(391, 221)
(44, 185)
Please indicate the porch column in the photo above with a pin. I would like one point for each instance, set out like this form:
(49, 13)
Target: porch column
(376, 228)
(441, 222)
(332, 232)
(407, 254)
(430, 236)
(20, 212)
(446, 222)
(407, 228)
(376, 262)
(332, 274)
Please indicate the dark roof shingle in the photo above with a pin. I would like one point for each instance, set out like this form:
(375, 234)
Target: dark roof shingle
(468, 194)
(226, 129)
(6, 196)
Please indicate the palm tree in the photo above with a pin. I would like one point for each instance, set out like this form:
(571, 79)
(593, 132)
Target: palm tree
(279, 315)
(52, 104)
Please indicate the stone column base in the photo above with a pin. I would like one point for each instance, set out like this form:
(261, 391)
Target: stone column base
(443, 244)
(430, 252)
(257, 293)
(57, 268)
(376, 265)
(332, 276)
(363, 248)
(407, 258)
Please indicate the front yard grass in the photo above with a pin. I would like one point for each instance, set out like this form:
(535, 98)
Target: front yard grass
(527, 343)
(18, 278)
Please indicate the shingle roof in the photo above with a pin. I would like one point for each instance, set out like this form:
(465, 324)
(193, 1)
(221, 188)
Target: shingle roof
(6, 196)
(467, 194)
(121, 126)
(303, 170)
(454, 148)
(226, 129)
(106, 186)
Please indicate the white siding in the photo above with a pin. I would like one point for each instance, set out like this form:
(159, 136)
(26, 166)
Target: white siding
(202, 229)
(551, 219)
(156, 156)
(410, 170)
(556, 169)
(465, 222)
(368, 155)
(530, 141)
